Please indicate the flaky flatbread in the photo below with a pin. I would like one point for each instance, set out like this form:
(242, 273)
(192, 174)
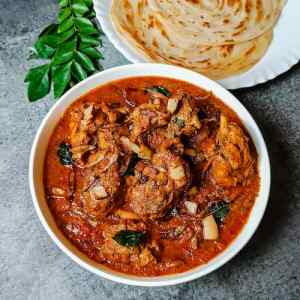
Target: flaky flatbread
(143, 24)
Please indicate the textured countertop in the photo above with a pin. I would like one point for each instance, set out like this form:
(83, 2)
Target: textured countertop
(32, 267)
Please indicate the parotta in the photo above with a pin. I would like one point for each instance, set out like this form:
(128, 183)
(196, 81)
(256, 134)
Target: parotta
(218, 38)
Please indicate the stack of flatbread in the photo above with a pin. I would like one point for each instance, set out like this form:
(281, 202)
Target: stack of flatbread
(218, 38)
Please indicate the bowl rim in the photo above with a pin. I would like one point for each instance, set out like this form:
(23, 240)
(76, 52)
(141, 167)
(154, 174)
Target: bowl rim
(189, 275)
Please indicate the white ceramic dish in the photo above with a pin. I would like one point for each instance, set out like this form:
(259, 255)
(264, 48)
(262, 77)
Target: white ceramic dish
(283, 53)
(50, 121)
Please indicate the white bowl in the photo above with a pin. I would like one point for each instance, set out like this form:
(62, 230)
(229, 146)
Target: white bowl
(54, 115)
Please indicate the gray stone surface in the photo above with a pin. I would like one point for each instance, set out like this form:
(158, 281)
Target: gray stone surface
(32, 267)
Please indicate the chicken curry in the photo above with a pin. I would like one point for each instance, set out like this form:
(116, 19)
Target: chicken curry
(150, 175)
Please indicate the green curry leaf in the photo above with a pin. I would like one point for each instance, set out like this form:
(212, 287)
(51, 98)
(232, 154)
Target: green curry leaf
(85, 61)
(79, 7)
(130, 238)
(63, 3)
(39, 82)
(159, 89)
(78, 72)
(61, 78)
(66, 24)
(92, 53)
(219, 210)
(133, 161)
(63, 14)
(65, 155)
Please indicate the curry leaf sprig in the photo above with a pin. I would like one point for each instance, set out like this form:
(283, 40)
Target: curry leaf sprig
(70, 48)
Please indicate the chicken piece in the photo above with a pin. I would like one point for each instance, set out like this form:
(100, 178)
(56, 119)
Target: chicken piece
(115, 112)
(155, 185)
(101, 188)
(234, 144)
(104, 153)
(150, 192)
(186, 120)
(88, 130)
(234, 164)
(81, 125)
(176, 168)
(138, 256)
(77, 229)
(160, 139)
(102, 176)
(146, 116)
(203, 142)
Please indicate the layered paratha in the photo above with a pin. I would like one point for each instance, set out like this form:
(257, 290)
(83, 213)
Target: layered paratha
(216, 22)
(173, 32)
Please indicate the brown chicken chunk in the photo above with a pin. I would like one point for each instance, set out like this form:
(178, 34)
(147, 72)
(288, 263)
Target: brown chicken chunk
(111, 250)
(186, 120)
(99, 198)
(234, 163)
(161, 139)
(155, 184)
(148, 116)
(101, 176)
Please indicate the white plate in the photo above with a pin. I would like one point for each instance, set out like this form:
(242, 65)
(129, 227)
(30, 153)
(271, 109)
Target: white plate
(283, 53)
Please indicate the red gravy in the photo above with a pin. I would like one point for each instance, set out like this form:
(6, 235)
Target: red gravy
(139, 221)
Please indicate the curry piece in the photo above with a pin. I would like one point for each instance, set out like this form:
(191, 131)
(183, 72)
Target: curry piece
(156, 184)
(233, 164)
(111, 250)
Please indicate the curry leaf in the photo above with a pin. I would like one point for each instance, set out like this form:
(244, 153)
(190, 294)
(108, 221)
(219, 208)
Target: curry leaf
(36, 73)
(219, 210)
(79, 7)
(93, 53)
(63, 3)
(65, 155)
(78, 72)
(43, 50)
(91, 15)
(82, 22)
(63, 37)
(61, 76)
(132, 163)
(66, 24)
(90, 41)
(89, 30)
(159, 89)
(63, 14)
(49, 29)
(85, 61)
(33, 54)
(65, 53)
(130, 238)
(88, 45)
(51, 40)
(39, 83)
(89, 3)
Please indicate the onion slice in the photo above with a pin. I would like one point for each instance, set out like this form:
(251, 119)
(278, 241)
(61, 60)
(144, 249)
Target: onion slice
(210, 228)
(191, 207)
